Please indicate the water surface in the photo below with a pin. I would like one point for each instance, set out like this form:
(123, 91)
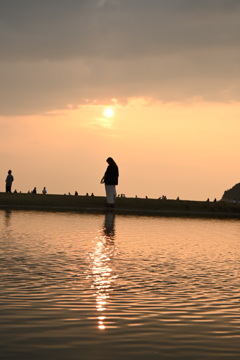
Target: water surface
(76, 286)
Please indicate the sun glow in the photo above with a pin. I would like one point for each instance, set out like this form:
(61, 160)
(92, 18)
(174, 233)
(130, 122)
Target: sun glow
(108, 112)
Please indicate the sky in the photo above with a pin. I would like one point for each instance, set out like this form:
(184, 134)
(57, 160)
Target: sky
(167, 69)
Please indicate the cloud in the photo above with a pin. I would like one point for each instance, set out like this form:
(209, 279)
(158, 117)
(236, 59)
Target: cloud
(56, 52)
(34, 30)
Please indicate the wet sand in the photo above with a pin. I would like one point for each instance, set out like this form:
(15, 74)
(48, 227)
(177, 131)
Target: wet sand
(133, 206)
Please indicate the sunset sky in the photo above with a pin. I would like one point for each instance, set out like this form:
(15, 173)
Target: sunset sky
(169, 70)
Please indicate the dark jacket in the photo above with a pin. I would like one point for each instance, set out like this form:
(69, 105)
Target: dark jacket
(9, 180)
(111, 175)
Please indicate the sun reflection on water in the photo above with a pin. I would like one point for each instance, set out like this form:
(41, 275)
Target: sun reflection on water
(102, 267)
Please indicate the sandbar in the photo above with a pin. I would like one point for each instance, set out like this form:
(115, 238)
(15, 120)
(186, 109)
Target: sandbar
(127, 206)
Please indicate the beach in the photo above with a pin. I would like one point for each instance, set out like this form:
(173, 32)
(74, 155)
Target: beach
(124, 205)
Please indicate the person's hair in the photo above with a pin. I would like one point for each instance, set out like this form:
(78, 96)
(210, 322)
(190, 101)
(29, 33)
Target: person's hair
(9, 171)
(111, 161)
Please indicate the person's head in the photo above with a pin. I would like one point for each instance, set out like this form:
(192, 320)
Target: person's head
(110, 161)
(9, 172)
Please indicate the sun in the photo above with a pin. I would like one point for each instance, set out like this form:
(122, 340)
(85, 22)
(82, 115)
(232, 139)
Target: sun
(108, 112)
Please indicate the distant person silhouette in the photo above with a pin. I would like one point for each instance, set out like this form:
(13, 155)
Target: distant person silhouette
(44, 191)
(9, 181)
(110, 179)
(34, 191)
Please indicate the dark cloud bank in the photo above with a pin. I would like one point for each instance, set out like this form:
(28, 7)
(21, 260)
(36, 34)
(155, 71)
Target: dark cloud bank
(55, 52)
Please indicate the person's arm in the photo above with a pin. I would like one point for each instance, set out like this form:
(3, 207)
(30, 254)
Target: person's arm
(104, 176)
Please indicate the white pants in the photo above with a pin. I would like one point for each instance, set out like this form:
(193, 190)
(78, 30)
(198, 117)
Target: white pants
(111, 193)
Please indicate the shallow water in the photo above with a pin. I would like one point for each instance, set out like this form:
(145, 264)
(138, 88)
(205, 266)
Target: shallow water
(76, 286)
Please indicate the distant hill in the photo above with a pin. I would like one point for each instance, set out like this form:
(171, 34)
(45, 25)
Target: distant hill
(232, 194)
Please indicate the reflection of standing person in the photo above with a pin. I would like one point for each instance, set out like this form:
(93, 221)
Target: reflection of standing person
(8, 214)
(110, 179)
(9, 181)
(108, 229)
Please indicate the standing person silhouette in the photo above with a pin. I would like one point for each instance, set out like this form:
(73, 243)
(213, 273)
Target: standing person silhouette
(9, 181)
(110, 179)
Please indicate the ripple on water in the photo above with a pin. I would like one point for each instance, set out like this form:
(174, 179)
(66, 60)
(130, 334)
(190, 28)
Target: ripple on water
(133, 287)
